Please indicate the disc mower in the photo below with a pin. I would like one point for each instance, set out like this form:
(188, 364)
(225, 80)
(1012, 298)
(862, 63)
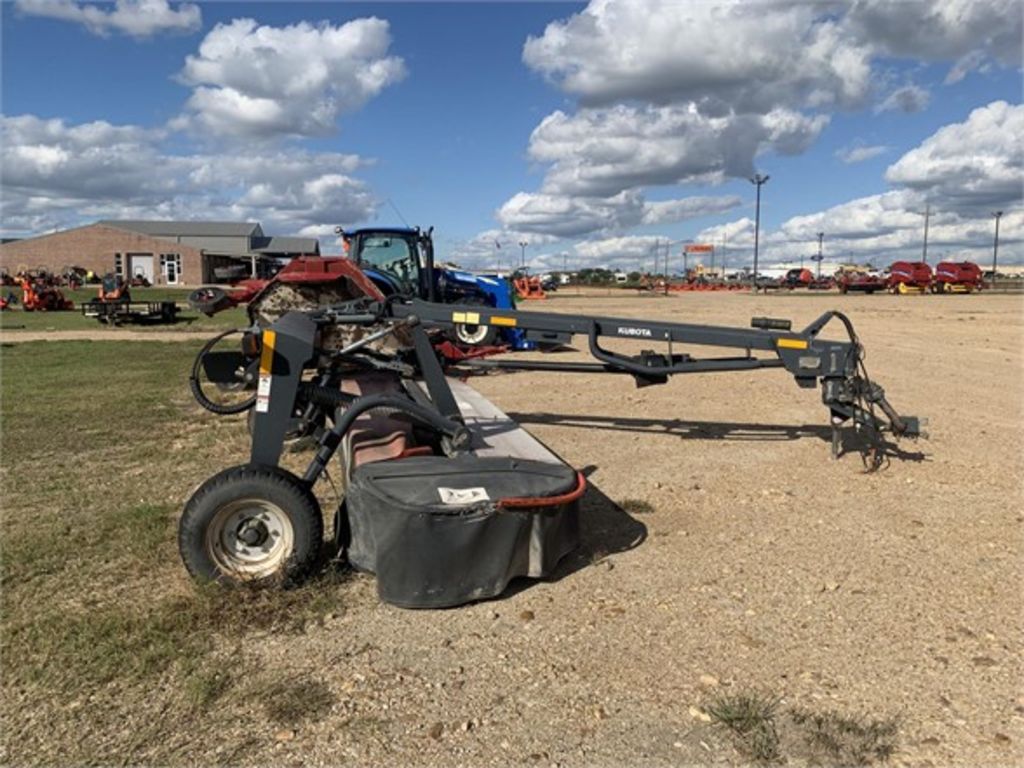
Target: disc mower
(446, 498)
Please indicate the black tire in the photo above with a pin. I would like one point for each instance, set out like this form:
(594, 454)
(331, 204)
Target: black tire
(272, 507)
(474, 335)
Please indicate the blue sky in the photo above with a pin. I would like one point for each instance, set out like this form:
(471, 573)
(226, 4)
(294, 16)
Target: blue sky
(616, 125)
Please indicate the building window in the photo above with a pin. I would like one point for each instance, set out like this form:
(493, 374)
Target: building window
(118, 265)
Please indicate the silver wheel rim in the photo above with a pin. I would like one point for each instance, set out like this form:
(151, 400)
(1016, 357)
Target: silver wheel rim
(250, 539)
(471, 334)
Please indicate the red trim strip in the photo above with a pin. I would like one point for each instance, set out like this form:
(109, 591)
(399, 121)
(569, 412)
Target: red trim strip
(548, 501)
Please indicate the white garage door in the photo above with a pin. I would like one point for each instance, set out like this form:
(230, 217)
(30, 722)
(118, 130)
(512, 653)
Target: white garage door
(141, 265)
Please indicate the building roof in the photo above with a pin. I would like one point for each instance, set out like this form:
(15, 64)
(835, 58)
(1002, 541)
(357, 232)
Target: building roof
(187, 228)
(308, 245)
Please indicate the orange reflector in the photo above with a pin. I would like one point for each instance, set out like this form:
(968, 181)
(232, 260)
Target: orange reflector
(791, 343)
(267, 355)
(507, 321)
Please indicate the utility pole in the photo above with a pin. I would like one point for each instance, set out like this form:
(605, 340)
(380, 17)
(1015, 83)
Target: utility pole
(927, 215)
(522, 254)
(668, 249)
(995, 246)
(757, 180)
(821, 238)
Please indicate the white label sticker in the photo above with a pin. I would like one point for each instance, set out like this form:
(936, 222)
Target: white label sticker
(263, 393)
(463, 495)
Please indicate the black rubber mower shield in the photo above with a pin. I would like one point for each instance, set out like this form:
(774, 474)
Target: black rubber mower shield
(247, 481)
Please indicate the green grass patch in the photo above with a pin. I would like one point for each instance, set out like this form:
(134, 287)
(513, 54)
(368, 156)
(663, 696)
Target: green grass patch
(846, 740)
(188, 320)
(291, 702)
(751, 717)
(101, 444)
(766, 732)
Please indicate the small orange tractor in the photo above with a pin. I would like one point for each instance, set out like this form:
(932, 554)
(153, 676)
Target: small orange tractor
(39, 293)
(528, 287)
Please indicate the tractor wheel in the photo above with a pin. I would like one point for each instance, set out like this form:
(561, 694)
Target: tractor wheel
(475, 335)
(251, 524)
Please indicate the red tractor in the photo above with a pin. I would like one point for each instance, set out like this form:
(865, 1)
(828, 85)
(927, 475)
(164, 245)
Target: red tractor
(909, 277)
(957, 277)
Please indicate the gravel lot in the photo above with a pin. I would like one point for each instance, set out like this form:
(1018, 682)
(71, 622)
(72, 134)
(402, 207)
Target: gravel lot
(750, 561)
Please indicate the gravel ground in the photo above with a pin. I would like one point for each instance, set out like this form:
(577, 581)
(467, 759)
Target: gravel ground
(736, 556)
(724, 552)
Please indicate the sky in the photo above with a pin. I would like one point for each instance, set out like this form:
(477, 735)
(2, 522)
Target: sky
(596, 133)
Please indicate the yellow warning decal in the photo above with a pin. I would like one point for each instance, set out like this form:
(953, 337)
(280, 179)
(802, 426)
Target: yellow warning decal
(458, 317)
(506, 321)
(267, 355)
(791, 343)
(472, 318)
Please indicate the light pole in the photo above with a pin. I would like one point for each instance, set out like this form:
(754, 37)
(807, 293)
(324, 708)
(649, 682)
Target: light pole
(757, 180)
(821, 238)
(997, 215)
(522, 254)
(927, 215)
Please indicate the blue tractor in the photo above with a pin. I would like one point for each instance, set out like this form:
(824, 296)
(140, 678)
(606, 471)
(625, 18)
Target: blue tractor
(401, 262)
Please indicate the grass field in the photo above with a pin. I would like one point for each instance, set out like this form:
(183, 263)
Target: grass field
(107, 645)
(188, 320)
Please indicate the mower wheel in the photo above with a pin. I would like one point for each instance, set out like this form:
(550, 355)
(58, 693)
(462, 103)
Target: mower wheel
(251, 524)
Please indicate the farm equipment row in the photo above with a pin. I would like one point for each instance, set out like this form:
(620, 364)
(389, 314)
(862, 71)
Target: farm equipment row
(446, 498)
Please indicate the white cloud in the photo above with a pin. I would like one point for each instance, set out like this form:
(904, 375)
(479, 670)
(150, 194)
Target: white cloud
(136, 18)
(561, 215)
(732, 233)
(858, 153)
(748, 57)
(909, 98)
(964, 166)
(941, 30)
(60, 175)
(601, 152)
(669, 211)
(885, 227)
(266, 82)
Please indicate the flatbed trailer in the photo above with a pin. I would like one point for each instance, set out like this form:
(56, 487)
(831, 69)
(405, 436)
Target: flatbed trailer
(118, 312)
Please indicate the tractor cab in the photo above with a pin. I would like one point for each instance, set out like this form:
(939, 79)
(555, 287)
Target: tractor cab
(114, 288)
(398, 261)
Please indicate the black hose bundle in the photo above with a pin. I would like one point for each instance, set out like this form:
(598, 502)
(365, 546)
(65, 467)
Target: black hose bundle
(197, 388)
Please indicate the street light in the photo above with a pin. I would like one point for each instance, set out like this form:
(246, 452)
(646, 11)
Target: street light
(995, 246)
(821, 238)
(757, 180)
(522, 253)
(927, 216)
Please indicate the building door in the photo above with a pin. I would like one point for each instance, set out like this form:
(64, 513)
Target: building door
(171, 263)
(141, 265)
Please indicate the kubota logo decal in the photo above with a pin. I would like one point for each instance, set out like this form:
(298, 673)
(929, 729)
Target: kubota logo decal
(646, 332)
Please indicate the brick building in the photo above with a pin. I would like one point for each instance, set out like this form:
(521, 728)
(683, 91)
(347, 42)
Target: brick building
(164, 252)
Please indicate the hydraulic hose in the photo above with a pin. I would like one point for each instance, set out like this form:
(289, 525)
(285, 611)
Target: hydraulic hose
(197, 388)
(459, 435)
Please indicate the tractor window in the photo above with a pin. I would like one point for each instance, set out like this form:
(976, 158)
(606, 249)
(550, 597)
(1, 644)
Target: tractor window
(390, 254)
